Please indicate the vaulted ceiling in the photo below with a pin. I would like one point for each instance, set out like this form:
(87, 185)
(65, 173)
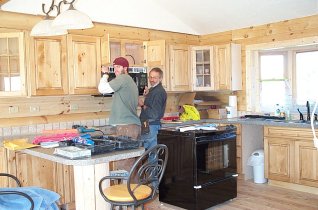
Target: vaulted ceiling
(185, 16)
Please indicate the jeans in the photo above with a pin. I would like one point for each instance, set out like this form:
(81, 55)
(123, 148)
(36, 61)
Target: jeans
(150, 139)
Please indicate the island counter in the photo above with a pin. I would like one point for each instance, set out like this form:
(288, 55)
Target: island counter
(82, 175)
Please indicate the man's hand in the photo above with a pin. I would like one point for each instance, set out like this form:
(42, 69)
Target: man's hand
(105, 72)
(146, 91)
(140, 101)
(105, 69)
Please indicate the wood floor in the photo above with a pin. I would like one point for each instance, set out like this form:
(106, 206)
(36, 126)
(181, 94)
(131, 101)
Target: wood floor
(259, 197)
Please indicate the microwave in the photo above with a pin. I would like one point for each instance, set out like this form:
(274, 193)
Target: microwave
(138, 74)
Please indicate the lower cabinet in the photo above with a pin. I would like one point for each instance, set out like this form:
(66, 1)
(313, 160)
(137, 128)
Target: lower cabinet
(290, 155)
(34, 171)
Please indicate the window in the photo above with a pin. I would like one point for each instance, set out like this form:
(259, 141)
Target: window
(273, 71)
(282, 75)
(306, 76)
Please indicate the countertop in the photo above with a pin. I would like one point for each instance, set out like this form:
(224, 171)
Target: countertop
(246, 121)
(95, 159)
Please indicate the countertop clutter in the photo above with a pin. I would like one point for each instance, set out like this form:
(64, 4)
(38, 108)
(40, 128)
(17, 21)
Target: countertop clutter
(248, 121)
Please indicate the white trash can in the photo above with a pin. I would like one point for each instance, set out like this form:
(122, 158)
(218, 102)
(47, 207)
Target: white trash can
(257, 161)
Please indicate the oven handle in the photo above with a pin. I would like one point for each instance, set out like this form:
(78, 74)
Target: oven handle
(214, 182)
(230, 137)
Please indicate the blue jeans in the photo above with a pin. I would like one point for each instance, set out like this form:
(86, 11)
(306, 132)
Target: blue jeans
(150, 139)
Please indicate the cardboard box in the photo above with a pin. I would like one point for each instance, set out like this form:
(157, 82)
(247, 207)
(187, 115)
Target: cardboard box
(216, 113)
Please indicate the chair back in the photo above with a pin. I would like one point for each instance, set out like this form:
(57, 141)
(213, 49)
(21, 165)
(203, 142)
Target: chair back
(148, 170)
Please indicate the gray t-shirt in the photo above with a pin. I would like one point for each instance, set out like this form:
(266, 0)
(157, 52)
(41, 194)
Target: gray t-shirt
(125, 101)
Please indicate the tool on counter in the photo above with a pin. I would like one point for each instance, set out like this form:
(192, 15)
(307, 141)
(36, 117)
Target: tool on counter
(84, 129)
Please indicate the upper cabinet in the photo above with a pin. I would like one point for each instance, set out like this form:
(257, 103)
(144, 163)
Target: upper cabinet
(155, 56)
(65, 65)
(84, 62)
(180, 75)
(12, 64)
(228, 67)
(132, 50)
(202, 68)
(173, 60)
(48, 72)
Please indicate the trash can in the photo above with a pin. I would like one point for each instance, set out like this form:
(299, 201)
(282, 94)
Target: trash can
(257, 161)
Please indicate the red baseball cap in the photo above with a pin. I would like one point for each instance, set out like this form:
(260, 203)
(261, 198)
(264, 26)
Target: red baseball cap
(121, 62)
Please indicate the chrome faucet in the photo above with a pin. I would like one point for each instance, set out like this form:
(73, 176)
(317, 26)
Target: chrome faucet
(308, 110)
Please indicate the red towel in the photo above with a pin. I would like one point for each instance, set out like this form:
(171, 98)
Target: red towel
(55, 137)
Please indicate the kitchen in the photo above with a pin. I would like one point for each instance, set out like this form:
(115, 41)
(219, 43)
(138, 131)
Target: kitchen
(64, 103)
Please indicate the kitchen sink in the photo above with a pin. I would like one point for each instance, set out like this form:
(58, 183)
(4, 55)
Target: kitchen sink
(290, 121)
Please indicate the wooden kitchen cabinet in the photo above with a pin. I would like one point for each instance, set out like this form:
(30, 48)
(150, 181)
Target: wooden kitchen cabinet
(290, 155)
(34, 171)
(155, 56)
(306, 163)
(279, 161)
(12, 64)
(179, 68)
(228, 67)
(64, 65)
(48, 72)
(132, 50)
(84, 62)
(202, 68)
(174, 60)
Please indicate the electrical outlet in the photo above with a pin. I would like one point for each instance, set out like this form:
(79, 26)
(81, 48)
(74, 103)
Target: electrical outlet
(34, 108)
(13, 109)
(74, 107)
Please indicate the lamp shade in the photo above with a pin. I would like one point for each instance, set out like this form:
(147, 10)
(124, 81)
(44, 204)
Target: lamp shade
(72, 19)
(45, 28)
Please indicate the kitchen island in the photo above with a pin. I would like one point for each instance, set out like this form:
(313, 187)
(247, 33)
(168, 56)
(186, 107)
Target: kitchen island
(35, 166)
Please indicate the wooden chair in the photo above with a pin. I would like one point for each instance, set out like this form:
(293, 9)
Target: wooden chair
(142, 183)
(7, 192)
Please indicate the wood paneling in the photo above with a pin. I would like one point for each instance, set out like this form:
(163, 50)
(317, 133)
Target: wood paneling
(273, 32)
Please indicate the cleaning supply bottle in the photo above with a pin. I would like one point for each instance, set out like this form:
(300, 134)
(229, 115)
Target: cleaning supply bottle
(277, 110)
(282, 112)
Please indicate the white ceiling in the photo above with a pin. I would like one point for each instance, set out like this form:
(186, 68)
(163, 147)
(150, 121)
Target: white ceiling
(185, 16)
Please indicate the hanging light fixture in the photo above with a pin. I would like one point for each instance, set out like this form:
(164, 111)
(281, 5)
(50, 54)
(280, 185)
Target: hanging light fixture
(70, 19)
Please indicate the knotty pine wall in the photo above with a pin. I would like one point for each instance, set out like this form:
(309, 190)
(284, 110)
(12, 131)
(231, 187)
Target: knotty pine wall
(268, 33)
(57, 109)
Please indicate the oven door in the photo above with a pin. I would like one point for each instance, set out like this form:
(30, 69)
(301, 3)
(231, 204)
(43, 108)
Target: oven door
(215, 158)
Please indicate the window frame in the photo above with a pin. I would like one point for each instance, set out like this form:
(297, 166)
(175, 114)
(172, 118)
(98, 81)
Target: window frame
(253, 69)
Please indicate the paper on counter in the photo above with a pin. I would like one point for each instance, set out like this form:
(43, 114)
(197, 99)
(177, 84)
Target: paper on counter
(18, 144)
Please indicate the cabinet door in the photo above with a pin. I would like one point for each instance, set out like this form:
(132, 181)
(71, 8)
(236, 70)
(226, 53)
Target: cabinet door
(155, 53)
(202, 68)
(180, 74)
(155, 56)
(12, 64)
(34, 171)
(84, 61)
(228, 67)
(306, 163)
(48, 66)
(279, 159)
(132, 50)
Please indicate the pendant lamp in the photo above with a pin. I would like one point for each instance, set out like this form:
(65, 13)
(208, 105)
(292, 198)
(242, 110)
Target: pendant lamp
(69, 19)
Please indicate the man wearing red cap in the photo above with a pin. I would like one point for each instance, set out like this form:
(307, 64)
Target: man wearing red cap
(125, 99)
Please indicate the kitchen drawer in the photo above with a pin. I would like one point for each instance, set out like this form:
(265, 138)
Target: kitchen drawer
(303, 133)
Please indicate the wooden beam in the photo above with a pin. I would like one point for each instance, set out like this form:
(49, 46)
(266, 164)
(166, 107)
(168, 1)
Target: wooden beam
(2, 2)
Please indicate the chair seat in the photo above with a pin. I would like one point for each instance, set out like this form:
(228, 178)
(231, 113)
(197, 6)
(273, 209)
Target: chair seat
(119, 193)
